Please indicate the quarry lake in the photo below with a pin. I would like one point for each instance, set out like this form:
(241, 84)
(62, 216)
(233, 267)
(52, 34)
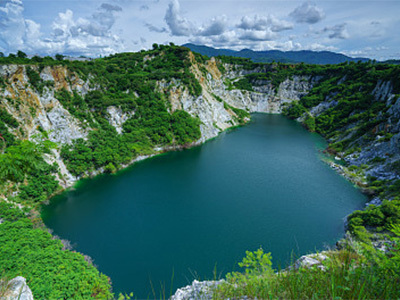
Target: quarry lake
(182, 215)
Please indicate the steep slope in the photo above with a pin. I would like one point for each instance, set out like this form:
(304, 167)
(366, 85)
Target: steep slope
(136, 99)
(61, 121)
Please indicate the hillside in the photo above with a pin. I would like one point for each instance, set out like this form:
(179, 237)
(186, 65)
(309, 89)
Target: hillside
(269, 56)
(62, 121)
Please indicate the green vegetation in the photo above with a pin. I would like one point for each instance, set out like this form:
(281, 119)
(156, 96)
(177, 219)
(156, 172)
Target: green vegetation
(150, 126)
(38, 83)
(244, 63)
(351, 121)
(309, 122)
(22, 159)
(129, 82)
(51, 272)
(23, 164)
(241, 114)
(135, 84)
(358, 271)
(244, 84)
(6, 120)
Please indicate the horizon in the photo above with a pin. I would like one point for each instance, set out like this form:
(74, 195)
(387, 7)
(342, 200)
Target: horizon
(66, 56)
(353, 28)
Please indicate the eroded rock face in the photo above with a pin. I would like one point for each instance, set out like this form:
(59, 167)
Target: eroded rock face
(38, 111)
(382, 90)
(117, 117)
(17, 289)
(33, 109)
(265, 97)
(63, 127)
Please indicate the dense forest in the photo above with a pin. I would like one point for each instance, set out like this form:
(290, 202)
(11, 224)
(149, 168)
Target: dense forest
(127, 81)
(352, 118)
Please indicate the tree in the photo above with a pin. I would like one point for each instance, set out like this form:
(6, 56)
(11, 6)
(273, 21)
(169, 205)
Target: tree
(1, 54)
(21, 54)
(37, 59)
(59, 57)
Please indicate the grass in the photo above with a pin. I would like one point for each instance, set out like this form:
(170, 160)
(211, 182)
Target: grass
(356, 272)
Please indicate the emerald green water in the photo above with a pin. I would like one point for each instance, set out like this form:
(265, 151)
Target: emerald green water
(184, 213)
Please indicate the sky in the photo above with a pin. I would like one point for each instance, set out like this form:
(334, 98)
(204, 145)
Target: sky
(357, 28)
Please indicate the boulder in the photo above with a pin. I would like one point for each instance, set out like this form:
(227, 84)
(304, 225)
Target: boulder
(17, 289)
(198, 290)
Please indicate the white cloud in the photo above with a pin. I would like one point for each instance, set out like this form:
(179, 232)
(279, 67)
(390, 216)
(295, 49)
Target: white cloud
(178, 25)
(263, 23)
(12, 26)
(279, 25)
(216, 26)
(255, 23)
(307, 13)
(319, 47)
(258, 35)
(88, 36)
(82, 27)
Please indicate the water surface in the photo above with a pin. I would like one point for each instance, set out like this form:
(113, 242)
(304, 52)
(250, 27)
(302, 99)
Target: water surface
(184, 214)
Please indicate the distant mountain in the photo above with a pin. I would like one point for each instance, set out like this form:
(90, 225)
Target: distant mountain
(392, 61)
(306, 56)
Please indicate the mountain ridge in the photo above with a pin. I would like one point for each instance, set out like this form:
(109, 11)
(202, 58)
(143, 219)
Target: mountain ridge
(268, 56)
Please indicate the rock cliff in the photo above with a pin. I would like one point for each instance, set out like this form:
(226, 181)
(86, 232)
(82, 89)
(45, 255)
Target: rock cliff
(39, 109)
(30, 94)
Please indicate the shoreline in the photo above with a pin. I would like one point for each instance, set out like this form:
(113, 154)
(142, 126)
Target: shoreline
(165, 150)
(71, 185)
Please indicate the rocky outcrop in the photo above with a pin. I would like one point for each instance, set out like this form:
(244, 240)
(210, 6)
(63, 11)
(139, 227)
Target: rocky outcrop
(203, 290)
(117, 117)
(382, 90)
(39, 111)
(62, 127)
(35, 110)
(265, 98)
(311, 260)
(198, 290)
(379, 155)
(16, 289)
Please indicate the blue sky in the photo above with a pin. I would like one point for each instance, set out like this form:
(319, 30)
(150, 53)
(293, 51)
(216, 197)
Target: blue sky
(94, 28)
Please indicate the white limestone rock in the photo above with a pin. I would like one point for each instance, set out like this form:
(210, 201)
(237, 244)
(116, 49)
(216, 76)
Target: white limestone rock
(294, 89)
(382, 90)
(323, 106)
(62, 126)
(17, 289)
(198, 290)
(312, 260)
(65, 178)
(117, 117)
(46, 74)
